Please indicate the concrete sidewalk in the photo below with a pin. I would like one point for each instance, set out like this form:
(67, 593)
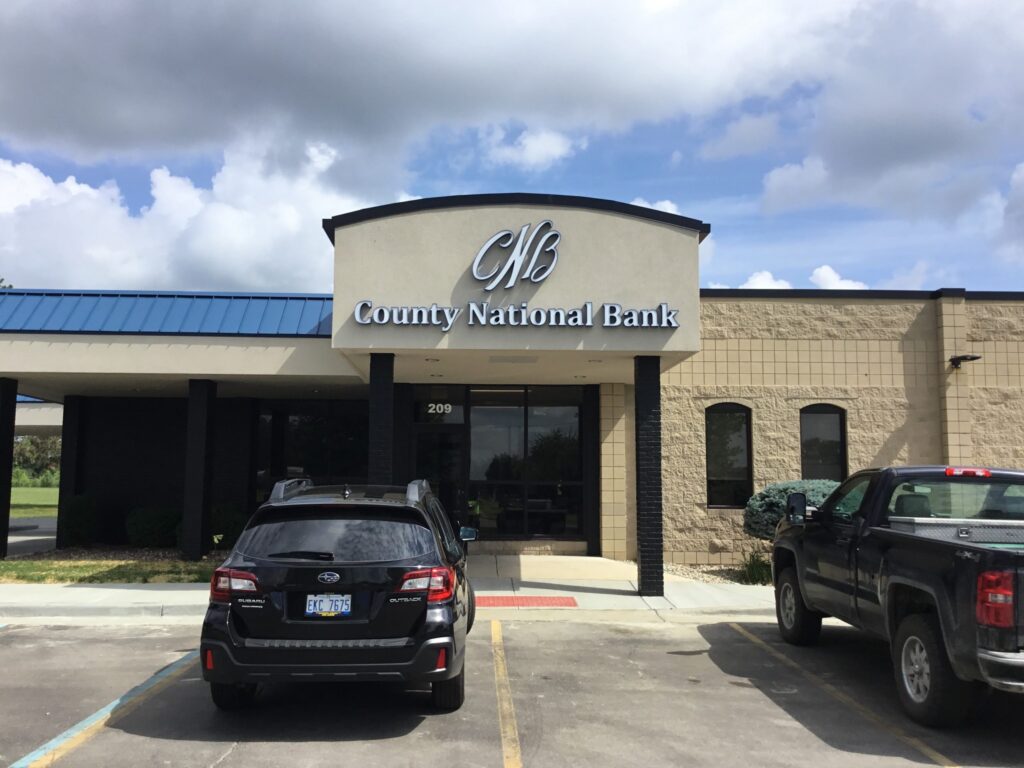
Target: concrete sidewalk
(598, 586)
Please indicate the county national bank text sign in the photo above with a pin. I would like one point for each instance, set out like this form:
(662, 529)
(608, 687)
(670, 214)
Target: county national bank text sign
(516, 272)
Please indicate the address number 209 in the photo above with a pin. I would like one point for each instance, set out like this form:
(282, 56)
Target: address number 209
(439, 407)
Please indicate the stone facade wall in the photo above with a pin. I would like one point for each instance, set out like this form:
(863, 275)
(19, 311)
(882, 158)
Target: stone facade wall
(995, 330)
(876, 359)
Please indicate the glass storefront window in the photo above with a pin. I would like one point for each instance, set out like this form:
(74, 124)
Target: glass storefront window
(439, 404)
(496, 435)
(553, 421)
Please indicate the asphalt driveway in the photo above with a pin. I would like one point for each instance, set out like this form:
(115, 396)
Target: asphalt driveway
(710, 692)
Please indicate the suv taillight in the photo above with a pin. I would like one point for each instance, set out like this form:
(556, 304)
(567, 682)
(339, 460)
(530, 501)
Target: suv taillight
(227, 582)
(438, 583)
(995, 599)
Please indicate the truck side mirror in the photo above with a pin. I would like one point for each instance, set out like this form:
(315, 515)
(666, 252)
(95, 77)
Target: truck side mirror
(798, 511)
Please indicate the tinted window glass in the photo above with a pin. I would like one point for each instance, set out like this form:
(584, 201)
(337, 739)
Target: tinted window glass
(350, 539)
(730, 480)
(822, 443)
(958, 499)
(848, 499)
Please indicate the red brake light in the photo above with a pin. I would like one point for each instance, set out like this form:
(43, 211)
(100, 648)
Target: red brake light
(227, 582)
(968, 472)
(438, 583)
(995, 599)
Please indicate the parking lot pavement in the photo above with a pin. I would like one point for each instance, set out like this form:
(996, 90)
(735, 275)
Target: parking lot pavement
(31, 534)
(716, 691)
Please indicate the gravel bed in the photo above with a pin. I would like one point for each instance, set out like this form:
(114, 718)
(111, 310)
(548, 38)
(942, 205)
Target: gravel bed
(115, 554)
(709, 574)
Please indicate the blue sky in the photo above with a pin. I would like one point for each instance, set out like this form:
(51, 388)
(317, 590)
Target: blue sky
(854, 143)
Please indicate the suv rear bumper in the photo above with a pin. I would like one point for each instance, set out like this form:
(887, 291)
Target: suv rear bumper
(1002, 670)
(421, 668)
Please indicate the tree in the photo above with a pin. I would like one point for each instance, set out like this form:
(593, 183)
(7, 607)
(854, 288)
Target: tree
(4, 285)
(37, 454)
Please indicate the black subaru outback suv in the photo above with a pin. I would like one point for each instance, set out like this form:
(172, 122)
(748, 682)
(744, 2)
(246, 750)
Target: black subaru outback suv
(340, 583)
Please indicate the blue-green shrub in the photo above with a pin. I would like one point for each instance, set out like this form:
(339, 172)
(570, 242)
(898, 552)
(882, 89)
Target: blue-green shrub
(766, 507)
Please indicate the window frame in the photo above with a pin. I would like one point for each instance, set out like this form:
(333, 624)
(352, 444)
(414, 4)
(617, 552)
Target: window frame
(827, 408)
(729, 407)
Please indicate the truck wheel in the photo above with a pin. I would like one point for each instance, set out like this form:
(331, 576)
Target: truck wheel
(449, 694)
(929, 690)
(798, 624)
(231, 697)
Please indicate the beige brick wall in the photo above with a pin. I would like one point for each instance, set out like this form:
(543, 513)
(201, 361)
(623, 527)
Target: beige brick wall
(884, 361)
(995, 330)
(876, 359)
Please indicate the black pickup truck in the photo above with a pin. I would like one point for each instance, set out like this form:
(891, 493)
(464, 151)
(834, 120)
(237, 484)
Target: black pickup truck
(929, 558)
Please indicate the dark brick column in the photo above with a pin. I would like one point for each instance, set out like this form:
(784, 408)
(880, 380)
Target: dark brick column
(649, 540)
(382, 419)
(8, 408)
(195, 521)
(72, 443)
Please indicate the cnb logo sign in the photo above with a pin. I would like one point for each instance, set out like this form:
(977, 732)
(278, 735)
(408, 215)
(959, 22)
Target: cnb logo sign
(530, 256)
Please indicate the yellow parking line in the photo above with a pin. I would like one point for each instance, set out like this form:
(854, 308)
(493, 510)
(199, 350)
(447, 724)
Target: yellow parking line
(911, 741)
(506, 711)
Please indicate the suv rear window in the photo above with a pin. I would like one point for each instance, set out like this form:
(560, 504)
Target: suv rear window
(349, 536)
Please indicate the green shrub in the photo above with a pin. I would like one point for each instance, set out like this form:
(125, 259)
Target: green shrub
(766, 507)
(226, 524)
(152, 526)
(82, 523)
(23, 478)
(755, 569)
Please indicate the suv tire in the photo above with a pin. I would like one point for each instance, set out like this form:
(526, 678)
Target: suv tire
(471, 611)
(798, 624)
(449, 694)
(230, 697)
(929, 690)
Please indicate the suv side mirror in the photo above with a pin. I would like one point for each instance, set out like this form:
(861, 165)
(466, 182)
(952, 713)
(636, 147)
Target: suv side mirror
(468, 534)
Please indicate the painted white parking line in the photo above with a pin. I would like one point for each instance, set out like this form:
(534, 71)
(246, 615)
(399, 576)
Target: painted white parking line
(82, 731)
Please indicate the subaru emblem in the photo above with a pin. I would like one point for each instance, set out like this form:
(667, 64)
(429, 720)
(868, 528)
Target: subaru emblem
(328, 577)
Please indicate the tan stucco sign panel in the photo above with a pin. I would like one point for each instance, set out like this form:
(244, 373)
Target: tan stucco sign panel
(516, 277)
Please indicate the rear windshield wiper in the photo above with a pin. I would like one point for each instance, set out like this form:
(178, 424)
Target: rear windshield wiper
(303, 554)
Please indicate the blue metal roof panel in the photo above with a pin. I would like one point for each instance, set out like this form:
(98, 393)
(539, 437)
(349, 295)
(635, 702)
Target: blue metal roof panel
(151, 312)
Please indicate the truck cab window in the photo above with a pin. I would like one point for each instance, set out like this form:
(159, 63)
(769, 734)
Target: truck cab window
(848, 499)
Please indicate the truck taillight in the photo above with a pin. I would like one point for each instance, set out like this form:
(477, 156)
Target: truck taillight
(438, 583)
(227, 582)
(995, 599)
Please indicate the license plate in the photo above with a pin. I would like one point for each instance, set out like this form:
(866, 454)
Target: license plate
(328, 605)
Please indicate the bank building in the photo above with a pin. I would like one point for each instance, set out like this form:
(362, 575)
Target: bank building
(549, 363)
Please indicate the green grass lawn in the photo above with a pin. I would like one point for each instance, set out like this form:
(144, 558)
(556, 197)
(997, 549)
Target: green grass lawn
(106, 565)
(33, 502)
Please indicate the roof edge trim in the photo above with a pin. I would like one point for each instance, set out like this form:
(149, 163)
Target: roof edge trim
(513, 198)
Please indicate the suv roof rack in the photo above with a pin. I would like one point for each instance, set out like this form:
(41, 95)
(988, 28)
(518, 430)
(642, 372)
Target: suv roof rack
(284, 489)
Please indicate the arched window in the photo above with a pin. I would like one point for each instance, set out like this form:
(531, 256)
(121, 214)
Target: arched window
(730, 468)
(823, 443)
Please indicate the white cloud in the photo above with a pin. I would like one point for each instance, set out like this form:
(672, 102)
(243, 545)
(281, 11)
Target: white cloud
(828, 279)
(254, 229)
(796, 185)
(675, 159)
(661, 205)
(916, 278)
(531, 150)
(1010, 236)
(763, 280)
(747, 135)
(717, 285)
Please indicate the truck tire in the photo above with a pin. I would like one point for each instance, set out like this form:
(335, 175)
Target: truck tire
(798, 624)
(929, 690)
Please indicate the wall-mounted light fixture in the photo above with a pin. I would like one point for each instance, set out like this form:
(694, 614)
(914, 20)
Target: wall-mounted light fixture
(957, 360)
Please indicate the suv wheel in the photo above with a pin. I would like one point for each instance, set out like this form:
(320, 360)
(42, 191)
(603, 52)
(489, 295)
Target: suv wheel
(929, 690)
(449, 694)
(471, 611)
(798, 624)
(230, 697)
